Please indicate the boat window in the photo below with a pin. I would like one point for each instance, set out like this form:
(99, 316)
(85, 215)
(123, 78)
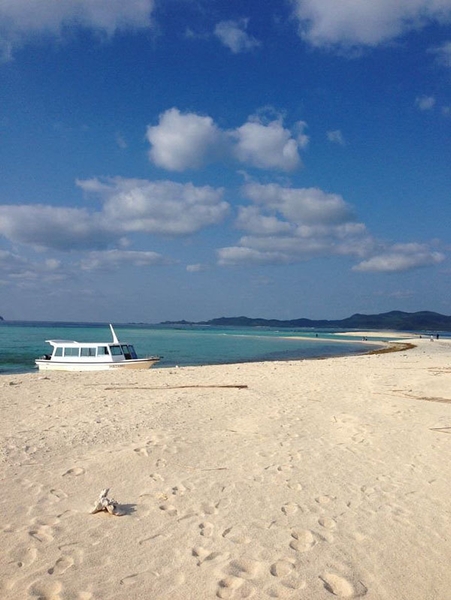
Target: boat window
(116, 350)
(58, 351)
(91, 351)
(71, 351)
(126, 351)
(133, 354)
(102, 351)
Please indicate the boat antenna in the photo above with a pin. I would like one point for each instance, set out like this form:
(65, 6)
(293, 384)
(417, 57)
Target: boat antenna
(115, 340)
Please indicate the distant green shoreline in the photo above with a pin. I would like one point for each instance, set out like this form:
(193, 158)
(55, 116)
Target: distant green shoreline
(394, 320)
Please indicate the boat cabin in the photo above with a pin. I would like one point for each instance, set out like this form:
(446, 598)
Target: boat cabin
(70, 350)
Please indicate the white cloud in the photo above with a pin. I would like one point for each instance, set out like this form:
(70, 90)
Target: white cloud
(11, 262)
(197, 268)
(120, 141)
(267, 146)
(401, 257)
(336, 137)
(23, 20)
(443, 54)
(288, 225)
(251, 219)
(240, 255)
(129, 206)
(26, 272)
(353, 23)
(302, 206)
(188, 141)
(234, 36)
(113, 259)
(157, 207)
(183, 141)
(43, 226)
(425, 102)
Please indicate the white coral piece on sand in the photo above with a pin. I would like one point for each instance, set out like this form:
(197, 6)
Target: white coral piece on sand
(107, 504)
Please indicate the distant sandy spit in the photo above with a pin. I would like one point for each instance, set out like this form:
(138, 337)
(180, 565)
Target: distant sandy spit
(377, 334)
(310, 480)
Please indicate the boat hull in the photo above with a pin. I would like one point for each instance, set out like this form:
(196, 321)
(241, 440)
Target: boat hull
(52, 365)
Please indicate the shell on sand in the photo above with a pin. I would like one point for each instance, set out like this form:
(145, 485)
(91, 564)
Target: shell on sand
(106, 504)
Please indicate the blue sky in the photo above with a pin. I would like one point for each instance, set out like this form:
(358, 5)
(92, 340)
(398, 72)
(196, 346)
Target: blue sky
(189, 159)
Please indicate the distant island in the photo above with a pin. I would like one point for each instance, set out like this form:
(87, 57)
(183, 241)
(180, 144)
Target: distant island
(395, 320)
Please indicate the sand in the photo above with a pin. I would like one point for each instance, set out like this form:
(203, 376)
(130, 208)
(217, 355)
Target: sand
(314, 479)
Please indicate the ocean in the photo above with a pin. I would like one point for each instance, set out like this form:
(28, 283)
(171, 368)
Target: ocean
(22, 342)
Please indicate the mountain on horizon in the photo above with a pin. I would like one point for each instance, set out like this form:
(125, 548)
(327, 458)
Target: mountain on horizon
(395, 320)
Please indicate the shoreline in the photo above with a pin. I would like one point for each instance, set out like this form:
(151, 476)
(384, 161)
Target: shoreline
(308, 479)
(33, 369)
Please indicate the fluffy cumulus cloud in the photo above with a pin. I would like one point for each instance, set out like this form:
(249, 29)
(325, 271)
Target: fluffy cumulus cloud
(401, 257)
(128, 206)
(156, 207)
(234, 36)
(187, 141)
(267, 146)
(287, 225)
(20, 20)
(43, 226)
(351, 23)
(183, 141)
(303, 207)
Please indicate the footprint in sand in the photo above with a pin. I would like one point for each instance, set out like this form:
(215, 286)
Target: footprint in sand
(75, 471)
(233, 587)
(181, 489)
(282, 568)
(285, 590)
(327, 522)
(61, 565)
(31, 486)
(42, 534)
(236, 536)
(25, 558)
(169, 509)
(206, 529)
(303, 540)
(129, 579)
(323, 500)
(57, 494)
(341, 587)
(290, 508)
(141, 451)
(45, 591)
(294, 485)
(204, 555)
(244, 568)
(210, 509)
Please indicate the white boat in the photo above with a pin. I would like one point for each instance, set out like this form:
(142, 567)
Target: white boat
(68, 355)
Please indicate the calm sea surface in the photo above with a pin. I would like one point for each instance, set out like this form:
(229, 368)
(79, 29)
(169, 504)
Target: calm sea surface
(22, 342)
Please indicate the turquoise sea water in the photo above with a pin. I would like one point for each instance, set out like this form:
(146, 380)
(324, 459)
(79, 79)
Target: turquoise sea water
(22, 342)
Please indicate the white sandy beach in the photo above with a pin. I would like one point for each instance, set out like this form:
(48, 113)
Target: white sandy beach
(321, 479)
